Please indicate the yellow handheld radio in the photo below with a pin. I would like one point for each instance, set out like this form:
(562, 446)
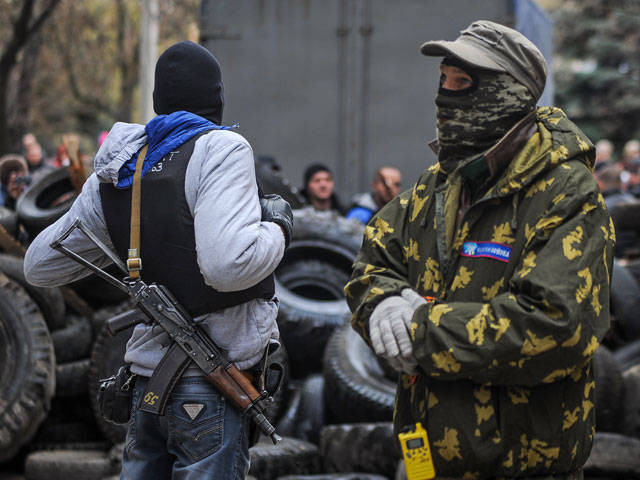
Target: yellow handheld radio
(417, 454)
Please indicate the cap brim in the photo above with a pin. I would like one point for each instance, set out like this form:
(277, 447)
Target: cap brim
(466, 52)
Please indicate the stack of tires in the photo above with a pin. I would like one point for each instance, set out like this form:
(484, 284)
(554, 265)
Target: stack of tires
(335, 407)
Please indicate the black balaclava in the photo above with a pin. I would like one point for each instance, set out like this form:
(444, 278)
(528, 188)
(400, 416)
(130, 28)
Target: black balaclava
(472, 120)
(188, 77)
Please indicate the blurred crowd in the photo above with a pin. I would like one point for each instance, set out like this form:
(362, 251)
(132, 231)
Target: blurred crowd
(18, 171)
(319, 194)
(618, 175)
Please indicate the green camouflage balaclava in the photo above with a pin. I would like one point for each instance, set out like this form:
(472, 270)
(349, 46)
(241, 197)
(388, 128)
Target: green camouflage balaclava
(472, 120)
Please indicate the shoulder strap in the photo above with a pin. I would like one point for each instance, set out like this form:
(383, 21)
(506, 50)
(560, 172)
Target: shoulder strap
(134, 262)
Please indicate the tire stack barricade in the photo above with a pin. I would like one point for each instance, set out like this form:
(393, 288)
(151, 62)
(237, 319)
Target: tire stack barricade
(335, 408)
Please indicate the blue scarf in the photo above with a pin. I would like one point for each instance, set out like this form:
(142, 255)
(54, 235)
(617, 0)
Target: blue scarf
(164, 134)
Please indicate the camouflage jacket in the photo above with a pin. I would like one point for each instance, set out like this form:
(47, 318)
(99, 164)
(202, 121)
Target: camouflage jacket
(521, 281)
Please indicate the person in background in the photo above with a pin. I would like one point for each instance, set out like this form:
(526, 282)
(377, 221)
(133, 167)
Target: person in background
(38, 167)
(610, 184)
(604, 153)
(385, 186)
(14, 179)
(318, 190)
(61, 158)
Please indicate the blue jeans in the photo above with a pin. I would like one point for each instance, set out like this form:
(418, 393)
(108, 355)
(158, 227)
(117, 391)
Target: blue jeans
(200, 436)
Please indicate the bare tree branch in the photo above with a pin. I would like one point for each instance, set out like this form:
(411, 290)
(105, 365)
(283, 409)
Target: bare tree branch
(75, 87)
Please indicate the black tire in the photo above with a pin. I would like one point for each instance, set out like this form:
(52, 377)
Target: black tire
(631, 405)
(310, 282)
(70, 421)
(107, 356)
(625, 302)
(633, 266)
(290, 456)
(628, 356)
(106, 313)
(305, 327)
(49, 299)
(97, 292)
(356, 389)
(46, 201)
(614, 456)
(288, 422)
(9, 220)
(270, 178)
(311, 413)
(313, 279)
(67, 464)
(359, 447)
(72, 379)
(609, 391)
(333, 476)
(27, 368)
(74, 341)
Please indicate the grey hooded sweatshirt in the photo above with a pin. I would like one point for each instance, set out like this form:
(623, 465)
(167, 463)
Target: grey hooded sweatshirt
(235, 249)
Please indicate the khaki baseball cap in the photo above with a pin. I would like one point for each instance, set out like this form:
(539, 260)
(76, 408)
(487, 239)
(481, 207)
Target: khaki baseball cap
(492, 46)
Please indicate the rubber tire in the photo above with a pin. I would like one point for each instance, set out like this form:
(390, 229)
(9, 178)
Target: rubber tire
(34, 206)
(72, 378)
(614, 455)
(103, 314)
(359, 447)
(609, 393)
(311, 413)
(70, 421)
(628, 356)
(9, 220)
(631, 405)
(27, 368)
(356, 389)
(289, 456)
(107, 356)
(305, 327)
(633, 267)
(314, 279)
(270, 178)
(48, 299)
(68, 464)
(286, 425)
(97, 292)
(74, 341)
(310, 282)
(625, 302)
(334, 476)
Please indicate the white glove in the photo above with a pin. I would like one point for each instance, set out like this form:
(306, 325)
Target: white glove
(389, 327)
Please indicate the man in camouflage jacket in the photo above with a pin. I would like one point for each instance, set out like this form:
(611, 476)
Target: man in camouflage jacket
(510, 236)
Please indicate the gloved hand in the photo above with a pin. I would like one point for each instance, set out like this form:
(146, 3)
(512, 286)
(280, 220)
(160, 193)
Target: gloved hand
(389, 327)
(277, 210)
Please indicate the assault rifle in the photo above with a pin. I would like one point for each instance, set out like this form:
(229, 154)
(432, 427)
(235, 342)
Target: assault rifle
(162, 309)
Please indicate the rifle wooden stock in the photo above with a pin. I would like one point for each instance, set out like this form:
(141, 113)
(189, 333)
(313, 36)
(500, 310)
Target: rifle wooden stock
(234, 386)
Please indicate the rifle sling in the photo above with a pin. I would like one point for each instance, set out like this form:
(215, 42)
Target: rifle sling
(134, 262)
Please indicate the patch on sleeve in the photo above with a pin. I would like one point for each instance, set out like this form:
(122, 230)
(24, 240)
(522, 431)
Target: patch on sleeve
(497, 251)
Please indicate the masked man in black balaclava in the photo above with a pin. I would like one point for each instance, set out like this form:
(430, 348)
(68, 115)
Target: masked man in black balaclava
(208, 237)
(486, 286)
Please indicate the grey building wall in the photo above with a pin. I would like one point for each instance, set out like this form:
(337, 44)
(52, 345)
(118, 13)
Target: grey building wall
(341, 82)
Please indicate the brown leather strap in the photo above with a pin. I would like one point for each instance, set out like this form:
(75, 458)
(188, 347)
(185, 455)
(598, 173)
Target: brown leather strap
(134, 262)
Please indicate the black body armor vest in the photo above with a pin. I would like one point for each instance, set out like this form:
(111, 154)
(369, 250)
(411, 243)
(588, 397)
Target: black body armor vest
(167, 238)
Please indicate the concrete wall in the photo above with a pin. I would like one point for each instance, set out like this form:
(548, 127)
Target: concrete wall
(341, 82)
